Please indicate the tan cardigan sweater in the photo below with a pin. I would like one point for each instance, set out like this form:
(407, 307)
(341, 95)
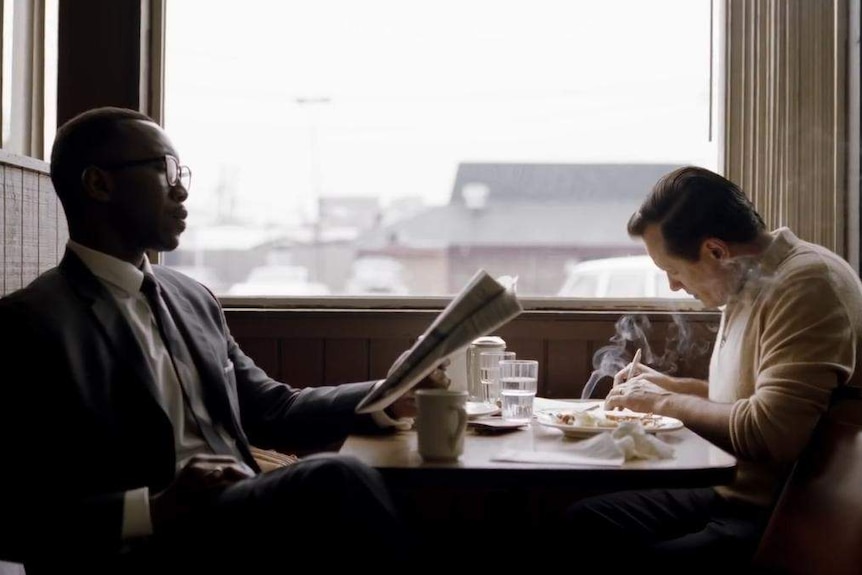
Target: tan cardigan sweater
(786, 340)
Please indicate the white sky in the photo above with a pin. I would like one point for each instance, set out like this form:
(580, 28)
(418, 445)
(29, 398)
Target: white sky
(412, 88)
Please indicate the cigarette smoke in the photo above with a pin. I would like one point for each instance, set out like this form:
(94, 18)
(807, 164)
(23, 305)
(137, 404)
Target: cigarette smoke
(632, 332)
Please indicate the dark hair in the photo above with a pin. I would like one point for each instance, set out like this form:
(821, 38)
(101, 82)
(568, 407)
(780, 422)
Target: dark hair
(691, 204)
(80, 143)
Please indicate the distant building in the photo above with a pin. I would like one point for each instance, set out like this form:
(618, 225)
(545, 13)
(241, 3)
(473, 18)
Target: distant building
(357, 212)
(525, 219)
(530, 220)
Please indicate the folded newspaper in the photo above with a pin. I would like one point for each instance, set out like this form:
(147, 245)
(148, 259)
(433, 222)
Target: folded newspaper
(482, 306)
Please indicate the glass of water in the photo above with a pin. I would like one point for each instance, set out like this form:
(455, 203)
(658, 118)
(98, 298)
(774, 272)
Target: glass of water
(518, 381)
(489, 374)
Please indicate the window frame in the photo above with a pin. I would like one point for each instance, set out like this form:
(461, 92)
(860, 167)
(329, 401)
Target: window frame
(147, 94)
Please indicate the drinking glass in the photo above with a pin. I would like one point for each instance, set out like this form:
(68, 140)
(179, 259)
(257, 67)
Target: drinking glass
(518, 382)
(489, 374)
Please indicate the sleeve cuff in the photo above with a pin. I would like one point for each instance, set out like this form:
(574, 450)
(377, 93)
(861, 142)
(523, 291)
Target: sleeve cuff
(383, 420)
(136, 514)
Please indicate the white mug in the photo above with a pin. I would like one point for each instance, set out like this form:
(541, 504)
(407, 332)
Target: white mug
(441, 423)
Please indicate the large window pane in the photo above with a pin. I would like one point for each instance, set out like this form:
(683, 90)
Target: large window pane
(390, 147)
(28, 102)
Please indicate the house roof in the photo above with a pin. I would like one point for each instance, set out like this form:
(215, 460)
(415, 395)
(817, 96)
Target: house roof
(549, 225)
(530, 183)
(548, 204)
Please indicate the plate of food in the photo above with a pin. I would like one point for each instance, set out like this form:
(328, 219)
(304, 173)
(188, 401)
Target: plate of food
(576, 423)
(481, 409)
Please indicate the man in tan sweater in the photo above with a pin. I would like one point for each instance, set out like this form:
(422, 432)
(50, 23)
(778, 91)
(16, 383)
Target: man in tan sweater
(789, 338)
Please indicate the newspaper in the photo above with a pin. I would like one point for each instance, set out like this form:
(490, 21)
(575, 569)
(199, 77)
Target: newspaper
(482, 306)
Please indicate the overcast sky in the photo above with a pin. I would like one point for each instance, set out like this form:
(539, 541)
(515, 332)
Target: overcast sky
(290, 99)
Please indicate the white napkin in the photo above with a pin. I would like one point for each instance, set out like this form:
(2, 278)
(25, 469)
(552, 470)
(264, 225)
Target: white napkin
(610, 449)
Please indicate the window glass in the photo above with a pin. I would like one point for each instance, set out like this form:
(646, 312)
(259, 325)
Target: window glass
(28, 103)
(627, 283)
(393, 148)
(583, 284)
(50, 64)
(8, 37)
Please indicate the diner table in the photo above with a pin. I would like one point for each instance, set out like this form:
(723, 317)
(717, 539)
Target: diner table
(476, 484)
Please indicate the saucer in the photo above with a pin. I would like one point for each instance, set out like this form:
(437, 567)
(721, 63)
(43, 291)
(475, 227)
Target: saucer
(480, 409)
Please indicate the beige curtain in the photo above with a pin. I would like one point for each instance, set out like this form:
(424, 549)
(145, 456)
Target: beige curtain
(785, 115)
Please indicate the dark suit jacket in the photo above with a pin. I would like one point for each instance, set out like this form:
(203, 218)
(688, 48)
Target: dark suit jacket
(80, 425)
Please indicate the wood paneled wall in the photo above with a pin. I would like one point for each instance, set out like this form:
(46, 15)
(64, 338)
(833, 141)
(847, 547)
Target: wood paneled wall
(322, 347)
(32, 224)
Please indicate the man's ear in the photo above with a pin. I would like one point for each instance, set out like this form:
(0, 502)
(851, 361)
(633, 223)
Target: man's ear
(715, 249)
(97, 183)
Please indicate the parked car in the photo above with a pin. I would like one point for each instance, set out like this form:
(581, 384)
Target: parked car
(376, 275)
(278, 280)
(621, 277)
(209, 276)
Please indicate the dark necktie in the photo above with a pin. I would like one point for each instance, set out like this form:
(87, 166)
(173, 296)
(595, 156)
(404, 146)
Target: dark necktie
(180, 360)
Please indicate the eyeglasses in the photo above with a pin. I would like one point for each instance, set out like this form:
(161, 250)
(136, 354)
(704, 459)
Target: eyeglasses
(174, 172)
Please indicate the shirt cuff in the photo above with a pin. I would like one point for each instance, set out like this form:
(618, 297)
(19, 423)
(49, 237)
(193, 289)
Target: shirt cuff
(136, 514)
(382, 419)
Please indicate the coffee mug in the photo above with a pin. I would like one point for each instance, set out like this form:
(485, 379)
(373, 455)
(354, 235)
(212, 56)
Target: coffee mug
(441, 422)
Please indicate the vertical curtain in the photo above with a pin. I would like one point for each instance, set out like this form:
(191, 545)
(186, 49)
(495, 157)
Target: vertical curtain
(26, 91)
(785, 113)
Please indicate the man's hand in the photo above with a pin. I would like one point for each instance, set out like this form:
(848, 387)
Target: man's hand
(405, 406)
(637, 369)
(637, 394)
(642, 372)
(196, 483)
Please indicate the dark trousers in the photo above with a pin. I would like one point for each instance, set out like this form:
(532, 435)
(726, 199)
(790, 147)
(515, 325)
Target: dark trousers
(325, 511)
(330, 509)
(675, 530)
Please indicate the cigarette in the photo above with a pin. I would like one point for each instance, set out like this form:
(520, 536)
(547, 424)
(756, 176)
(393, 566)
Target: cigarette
(635, 361)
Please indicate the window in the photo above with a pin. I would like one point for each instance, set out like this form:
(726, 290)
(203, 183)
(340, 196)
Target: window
(622, 277)
(28, 107)
(514, 136)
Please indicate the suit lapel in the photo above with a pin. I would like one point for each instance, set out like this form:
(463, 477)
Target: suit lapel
(118, 334)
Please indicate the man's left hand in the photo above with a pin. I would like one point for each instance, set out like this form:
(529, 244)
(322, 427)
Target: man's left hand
(405, 406)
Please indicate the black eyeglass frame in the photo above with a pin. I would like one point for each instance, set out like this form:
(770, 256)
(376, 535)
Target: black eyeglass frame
(182, 174)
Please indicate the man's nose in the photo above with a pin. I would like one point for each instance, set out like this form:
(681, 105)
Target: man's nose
(179, 193)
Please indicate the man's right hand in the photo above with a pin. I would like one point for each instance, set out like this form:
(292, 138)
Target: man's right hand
(645, 374)
(196, 483)
(637, 369)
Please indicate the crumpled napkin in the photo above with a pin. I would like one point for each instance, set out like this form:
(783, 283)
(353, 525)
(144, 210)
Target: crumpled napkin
(628, 441)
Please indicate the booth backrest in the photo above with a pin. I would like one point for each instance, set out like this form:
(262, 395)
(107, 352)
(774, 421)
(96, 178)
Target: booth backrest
(817, 525)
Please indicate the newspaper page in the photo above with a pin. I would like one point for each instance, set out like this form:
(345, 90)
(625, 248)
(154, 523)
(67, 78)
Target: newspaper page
(482, 306)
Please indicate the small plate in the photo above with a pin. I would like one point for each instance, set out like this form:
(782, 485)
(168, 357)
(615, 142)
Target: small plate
(494, 425)
(480, 409)
(654, 423)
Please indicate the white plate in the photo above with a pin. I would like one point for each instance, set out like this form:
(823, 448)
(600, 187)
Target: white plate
(548, 419)
(479, 409)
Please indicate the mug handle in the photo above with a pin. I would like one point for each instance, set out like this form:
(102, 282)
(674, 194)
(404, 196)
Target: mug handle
(460, 428)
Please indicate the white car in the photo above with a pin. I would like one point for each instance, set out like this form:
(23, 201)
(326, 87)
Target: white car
(278, 280)
(622, 277)
(376, 275)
